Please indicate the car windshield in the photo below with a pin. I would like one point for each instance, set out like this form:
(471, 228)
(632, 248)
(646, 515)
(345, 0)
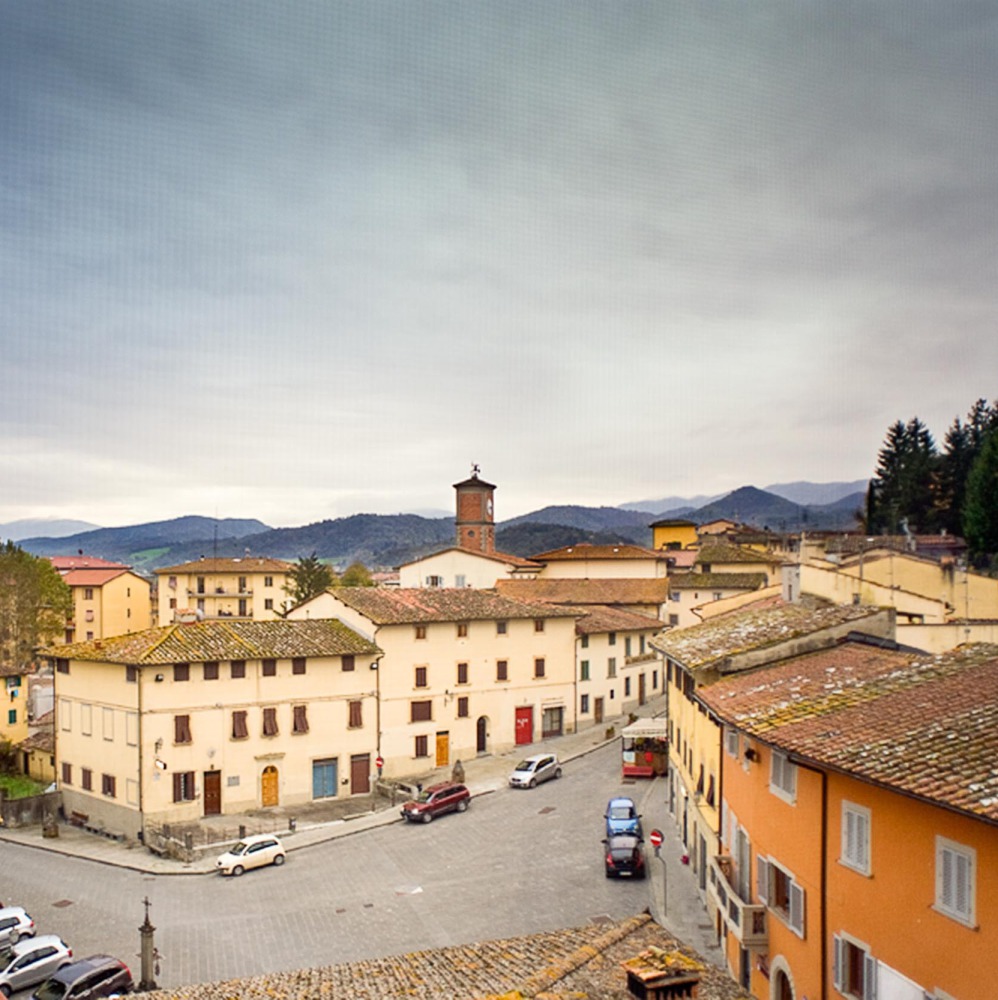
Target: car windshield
(620, 812)
(526, 765)
(424, 796)
(51, 989)
(240, 848)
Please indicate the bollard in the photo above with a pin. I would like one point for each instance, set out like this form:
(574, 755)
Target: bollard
(292, 824)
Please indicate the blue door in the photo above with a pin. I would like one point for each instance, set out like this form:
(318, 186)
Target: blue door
(324, 778)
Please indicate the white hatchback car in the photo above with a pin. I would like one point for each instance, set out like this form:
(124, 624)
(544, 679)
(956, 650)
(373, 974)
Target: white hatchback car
(251, 852)
(533, 770)
(15, 924)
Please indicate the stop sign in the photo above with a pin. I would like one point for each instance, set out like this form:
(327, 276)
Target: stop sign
(655, 839)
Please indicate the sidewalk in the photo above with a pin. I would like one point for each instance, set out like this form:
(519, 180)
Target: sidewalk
(483, 775)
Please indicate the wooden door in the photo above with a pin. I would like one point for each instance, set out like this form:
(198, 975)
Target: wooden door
(212, 793)
(597, 710)
(524, 725)
(269, 795)
(641, 689)
(443, 749)
(481, 735)
(360, 774)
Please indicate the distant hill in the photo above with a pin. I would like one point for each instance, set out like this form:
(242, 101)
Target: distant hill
(671, 504)
(760, 509)
(818, 494)
(49, 527)
(632, 525)
(528, 538)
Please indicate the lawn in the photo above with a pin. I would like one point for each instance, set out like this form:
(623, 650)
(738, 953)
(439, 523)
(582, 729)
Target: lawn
(20, 786)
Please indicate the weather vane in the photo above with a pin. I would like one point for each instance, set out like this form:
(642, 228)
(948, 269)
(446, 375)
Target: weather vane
(474, 469)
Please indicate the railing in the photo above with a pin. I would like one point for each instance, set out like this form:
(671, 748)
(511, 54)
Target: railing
(747, 921)
(219, 592)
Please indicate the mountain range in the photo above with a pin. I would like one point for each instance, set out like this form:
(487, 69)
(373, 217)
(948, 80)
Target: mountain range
(383, 541)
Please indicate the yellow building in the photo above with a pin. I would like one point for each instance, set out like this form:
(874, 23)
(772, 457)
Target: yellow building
(108, 598)
(14, 710)
(673, 533)
(209, 718)
(251, 587)
(464, 672)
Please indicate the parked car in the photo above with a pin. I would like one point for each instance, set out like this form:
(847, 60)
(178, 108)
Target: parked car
(624, 856)
(29, 962)
(436, 800)
(531, 772)
(15, 924)
(622, 816)
(251, 852)
(96, 976)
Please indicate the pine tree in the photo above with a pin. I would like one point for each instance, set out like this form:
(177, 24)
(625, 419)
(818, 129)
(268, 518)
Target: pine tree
(309, 577)
(980, 510)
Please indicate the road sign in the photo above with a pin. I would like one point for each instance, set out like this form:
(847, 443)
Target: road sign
(655, 839)
(379, 762)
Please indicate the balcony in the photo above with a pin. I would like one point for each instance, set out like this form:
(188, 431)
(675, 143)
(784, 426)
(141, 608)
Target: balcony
(220, 592)
(747, 921)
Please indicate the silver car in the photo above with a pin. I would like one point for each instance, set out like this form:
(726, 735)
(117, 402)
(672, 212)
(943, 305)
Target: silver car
(251, 852)
(531, 772)
(32, 961)
(14, 925)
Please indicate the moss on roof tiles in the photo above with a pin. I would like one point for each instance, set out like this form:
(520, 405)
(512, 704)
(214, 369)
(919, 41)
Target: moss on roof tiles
(717, 581)
(725, 552)
(216, 640)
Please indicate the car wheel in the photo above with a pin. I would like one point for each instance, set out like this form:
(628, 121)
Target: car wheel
(427, 816)
(279, 860)
(462, 805)
(533, 783)
(238, 870)
(557, 772)
(5, 990)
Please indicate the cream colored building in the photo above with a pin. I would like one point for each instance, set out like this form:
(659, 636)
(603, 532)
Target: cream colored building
(250, 587)
(730, 644)
(211, 718)
(602, 562)
(459, 567)
(464, 672)
(690, 592)
(617, 668)
(108, 598)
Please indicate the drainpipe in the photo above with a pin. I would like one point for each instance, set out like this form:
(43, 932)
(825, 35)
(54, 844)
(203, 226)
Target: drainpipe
(142, 784)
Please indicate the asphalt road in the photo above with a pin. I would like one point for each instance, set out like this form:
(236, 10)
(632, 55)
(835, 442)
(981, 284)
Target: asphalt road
(515, 863)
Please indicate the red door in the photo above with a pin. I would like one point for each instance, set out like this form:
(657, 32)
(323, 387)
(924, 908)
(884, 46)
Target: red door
(525, 725)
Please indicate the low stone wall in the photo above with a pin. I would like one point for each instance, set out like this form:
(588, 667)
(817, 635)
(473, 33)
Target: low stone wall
(31, 811)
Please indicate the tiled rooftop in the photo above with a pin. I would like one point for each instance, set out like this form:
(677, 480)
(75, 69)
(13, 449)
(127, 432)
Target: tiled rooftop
(717, 581)
(756, 628)
(924, 725)
(217, 640)
(604, 619)
(500, 557)
(724, 552)
(588, 591)
(62, 563)
(246, 564)
(584, 550)
(404, 605)
(92, 577)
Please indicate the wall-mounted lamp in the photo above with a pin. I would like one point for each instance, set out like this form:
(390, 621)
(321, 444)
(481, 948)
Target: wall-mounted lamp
(160, 764)
(751, 754)
(158, 745)
(159, 678)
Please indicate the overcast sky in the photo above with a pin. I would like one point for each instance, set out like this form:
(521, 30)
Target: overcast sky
(301, 260)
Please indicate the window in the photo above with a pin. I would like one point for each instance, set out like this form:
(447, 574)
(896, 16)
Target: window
(434, 581)
(86, 719)
(539, 666)
(355, 719)
(641, 645)
(421, 711)
(855, 837)
(462, 673)
(854, 969)
(107, 723)
(172, 582)
(67, 773)
(268, 604)
(181, 671)
(627, 687)
(88, 615)
(585, 642)
(107, 785)
(422, 747)
(538, 624)
(502, 670)
(584, 704)
(420, 681)
(269, 668)
(298, 665)
(584, 670)
(200, 584)
(90, 636)
(86, 779)
(627, 645)
(299, 722)
(237, 669)
(183, 786)
(211, 670)
(62, 666)
(242, 584)
(501, 628)
(955, 880)
(673, 620)
(173, 603)
(462, 707)
(239, 728)
(181, 729)
(88, 593)
(783, 777)
(776, 887)
(132, 674)
(270, 722)
(611, 666)
(348, 662)
(460, 580)
(462, 630)
(132, 728)
(731, 742)
(268, 581)
(611, 638)
(420, 631)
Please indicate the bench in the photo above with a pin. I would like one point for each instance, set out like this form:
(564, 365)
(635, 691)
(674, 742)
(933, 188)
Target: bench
(78, 819)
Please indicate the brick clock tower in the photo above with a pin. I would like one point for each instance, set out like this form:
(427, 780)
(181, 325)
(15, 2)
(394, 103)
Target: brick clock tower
(476, 530)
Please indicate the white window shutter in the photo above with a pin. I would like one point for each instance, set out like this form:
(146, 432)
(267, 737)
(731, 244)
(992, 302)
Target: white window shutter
(837, 957)
(869, 978)
(946, 894)
(961, 893)
(762, 878)
(797, 908)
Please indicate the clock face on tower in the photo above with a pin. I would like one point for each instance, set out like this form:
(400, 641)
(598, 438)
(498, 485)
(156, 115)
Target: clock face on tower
(488, 507)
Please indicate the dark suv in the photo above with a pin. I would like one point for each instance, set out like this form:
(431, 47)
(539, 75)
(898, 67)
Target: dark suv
(96, 976)
(436, 800)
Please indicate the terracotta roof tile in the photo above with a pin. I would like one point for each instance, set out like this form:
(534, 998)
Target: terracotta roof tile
(717, 581)
(588, 591)
(500, 557)
(216, 640)
(925, 725)
(402, 605)
(604, 619)
(246, 564)
(83, 562)
(92, 577)
(585, 550)
(724, 552)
